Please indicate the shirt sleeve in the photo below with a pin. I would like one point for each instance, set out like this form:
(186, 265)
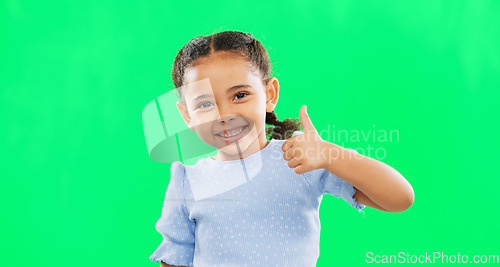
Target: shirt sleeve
(177, 247)
(325, 182)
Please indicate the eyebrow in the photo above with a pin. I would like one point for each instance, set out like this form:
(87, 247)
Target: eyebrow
(233, 88)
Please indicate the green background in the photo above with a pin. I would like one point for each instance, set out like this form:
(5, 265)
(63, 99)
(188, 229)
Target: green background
(78, 187)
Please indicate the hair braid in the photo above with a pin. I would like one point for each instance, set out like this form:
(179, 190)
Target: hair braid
(282, 129)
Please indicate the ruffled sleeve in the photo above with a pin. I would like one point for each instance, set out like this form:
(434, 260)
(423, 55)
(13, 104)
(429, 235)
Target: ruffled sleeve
(325, 182)
(177, 247)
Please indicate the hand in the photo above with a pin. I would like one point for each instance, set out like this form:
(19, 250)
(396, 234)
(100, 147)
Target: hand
(304, 152)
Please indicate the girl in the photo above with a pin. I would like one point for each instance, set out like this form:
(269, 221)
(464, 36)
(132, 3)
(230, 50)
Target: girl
(257, 201)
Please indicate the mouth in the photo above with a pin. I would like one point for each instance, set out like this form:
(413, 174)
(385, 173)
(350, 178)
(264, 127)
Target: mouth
(233, 134)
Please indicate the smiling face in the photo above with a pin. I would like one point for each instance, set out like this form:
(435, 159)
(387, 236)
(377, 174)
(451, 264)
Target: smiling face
(226, 104)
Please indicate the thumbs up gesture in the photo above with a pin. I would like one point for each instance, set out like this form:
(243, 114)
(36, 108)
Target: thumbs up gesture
(304, 152)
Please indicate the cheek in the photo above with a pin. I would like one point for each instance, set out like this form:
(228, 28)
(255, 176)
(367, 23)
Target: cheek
(205, 128)
(205, 117)
(257, 105)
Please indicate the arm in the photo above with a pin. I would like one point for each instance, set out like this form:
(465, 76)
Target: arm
(174, 224)
(377, 184)
(166, 265)
(361, 198)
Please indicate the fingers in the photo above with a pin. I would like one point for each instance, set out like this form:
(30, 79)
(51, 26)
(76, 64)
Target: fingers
(293, 152)
(301, 169)
(288, 155)
(294, 157)
(293, 163)
(288, 144)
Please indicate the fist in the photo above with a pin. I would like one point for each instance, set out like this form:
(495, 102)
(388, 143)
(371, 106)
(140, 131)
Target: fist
(303, 151)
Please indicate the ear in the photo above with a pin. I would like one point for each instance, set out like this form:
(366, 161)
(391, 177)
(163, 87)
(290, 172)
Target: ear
(185, 114)
(272, 94)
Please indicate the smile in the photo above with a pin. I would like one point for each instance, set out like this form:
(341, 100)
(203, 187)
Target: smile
(232, 132)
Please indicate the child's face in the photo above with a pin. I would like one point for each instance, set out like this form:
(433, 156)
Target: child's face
(222, 94)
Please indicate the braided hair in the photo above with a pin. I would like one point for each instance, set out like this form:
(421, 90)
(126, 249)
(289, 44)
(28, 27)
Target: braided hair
(241, 45)
(282, 130)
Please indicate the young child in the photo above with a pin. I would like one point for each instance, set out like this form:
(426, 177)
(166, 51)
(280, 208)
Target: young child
(257, 201)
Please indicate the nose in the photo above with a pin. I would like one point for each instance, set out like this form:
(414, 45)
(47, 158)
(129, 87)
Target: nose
(225, 114)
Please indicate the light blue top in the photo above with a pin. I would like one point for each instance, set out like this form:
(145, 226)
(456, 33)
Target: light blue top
(252, 211)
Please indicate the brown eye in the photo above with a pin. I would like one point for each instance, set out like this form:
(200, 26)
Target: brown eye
(240, 93)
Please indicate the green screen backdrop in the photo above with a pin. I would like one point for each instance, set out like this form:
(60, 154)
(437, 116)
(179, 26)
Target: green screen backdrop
(78, 187)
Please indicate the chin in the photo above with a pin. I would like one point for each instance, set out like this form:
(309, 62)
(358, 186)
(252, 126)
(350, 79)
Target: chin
(243, 144)
(232, 149)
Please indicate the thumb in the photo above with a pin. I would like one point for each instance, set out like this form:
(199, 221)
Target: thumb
(305, 120)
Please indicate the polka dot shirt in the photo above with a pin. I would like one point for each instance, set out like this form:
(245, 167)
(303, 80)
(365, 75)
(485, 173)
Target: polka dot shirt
(247, 212)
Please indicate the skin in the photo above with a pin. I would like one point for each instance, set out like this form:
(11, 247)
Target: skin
(377, 184)
(225, 109)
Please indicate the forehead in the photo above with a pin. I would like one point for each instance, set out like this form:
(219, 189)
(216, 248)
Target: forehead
(221, 72)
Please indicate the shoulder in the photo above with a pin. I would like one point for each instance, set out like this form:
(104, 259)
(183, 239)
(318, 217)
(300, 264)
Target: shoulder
(278, 143)
(282, 141)
(277, 146)
(177, 169)
(177, 174)
(297, 133)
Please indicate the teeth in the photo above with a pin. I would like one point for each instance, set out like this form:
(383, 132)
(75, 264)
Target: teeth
(232, 133)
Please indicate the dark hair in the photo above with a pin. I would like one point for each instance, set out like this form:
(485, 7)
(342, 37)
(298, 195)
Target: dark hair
(240, 45)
